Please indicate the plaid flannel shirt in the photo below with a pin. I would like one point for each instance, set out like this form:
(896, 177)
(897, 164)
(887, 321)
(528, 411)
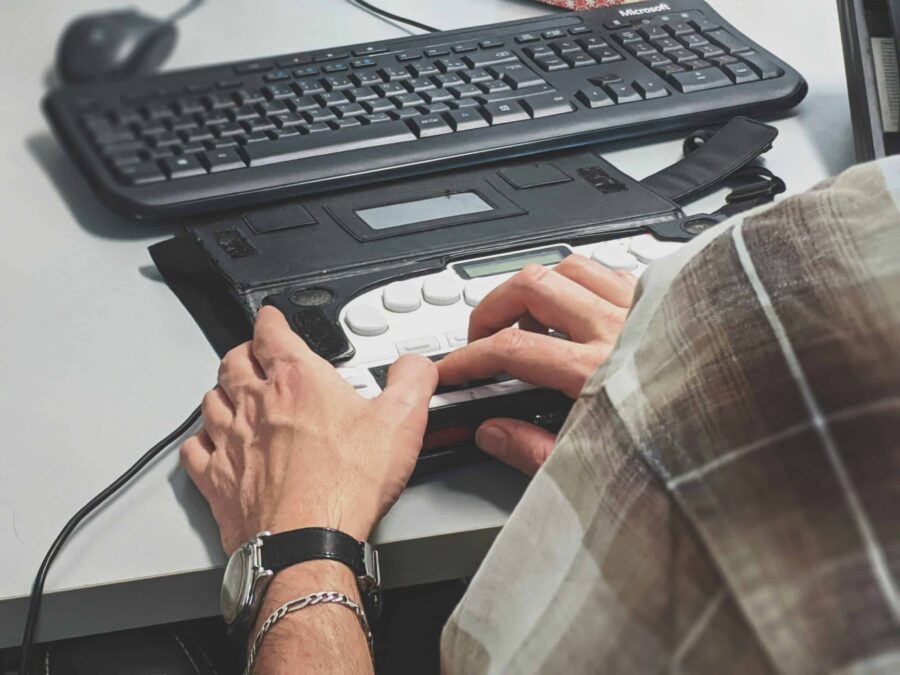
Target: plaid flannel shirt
(725, 496)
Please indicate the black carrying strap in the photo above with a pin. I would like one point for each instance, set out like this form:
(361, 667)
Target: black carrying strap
(711, 157)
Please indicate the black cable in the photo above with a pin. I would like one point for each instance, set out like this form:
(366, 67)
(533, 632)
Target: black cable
(396, 17)
(37, 590)
(179, 14)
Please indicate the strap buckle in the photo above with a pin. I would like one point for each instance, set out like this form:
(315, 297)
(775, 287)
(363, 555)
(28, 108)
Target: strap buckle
(370, 582)
(763, 185)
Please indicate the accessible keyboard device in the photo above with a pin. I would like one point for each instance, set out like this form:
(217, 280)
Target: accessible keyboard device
(221, 137)
(379, 271)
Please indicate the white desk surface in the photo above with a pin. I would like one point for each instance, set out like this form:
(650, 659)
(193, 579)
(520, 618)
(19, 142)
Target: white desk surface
(98, 360)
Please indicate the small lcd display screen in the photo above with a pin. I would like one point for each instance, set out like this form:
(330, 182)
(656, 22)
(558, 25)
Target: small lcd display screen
(511, 263)
(423, 210)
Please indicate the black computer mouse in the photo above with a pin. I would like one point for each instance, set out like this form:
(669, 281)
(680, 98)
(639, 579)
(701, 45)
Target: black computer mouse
(113, 46)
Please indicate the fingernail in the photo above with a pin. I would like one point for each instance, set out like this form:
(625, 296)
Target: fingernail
(491, 438)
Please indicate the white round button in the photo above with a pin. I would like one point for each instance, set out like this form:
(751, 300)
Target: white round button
(366, 320)
(401, 296)
(475, 291)
(647, 249)
(440, 290)
(613, 256)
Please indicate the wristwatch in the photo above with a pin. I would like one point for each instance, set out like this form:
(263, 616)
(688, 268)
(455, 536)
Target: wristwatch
(251, 568)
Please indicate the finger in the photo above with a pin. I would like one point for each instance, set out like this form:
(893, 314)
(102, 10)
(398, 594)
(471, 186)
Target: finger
(553, 300)
(538, 359)
(239, 368)
(274, 341)
(522, 445)
(615, 286)
(218, 414)
(194, 458)
(411, 382)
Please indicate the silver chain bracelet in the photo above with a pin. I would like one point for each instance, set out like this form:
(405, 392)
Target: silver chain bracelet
(325, 597)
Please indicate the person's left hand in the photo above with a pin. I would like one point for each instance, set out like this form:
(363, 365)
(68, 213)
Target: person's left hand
(287, 443)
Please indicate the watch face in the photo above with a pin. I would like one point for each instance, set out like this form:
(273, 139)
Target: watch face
(235, 584)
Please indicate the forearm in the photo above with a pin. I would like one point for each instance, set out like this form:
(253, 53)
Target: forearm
(319, 639)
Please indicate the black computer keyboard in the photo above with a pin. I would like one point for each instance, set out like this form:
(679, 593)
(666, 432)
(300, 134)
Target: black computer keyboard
(220, 137)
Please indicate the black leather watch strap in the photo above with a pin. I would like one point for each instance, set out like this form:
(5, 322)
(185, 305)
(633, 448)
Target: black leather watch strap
(312, 543)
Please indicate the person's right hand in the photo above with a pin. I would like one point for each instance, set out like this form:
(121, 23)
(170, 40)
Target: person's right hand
(583, 299)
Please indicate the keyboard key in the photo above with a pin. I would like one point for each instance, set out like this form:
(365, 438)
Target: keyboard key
(356, 138)
(394, 73)
(366, 79)
(564, 47)
(408, 100)
(420, 84)
(124, 157)
(332, 98)
(447, 79)
(402, 297)
(740, 73)
(377, 118)
(224, 159)
(580, 59)
(693, 41)
(547, 105)
(319, 115)
(591, 43)
(308, 87)
(369, 50)
(363, 63)
(476, 76)
(682, 55)
(727, 41)
(437, 96)
(441, 290)
(501, 113)
(362, 94)
(622, 93)
(449, 65)
(257, 125)
(378, 105)
(140, 174)
(708, 51)
(640, 48)
(703, 24)
(276, 92)
(651, 33)
(607, 55)
(345, 123)
(337, 82)
(464, 90)
(594, 98)
(494, 86)
(304, 103)
(423, 69)
(463, 120)
(696, 64)
(699, 80)
(679, 28)
(763, 66)
(277, 76)
(366, 320)
(626, 36)
(527, 37)
(464, 47)
(430, 125)
(420, 345)
(434, 52)
(490, 44)
(647, 249)
(518, 95)
(409, 56)
(552, 63)
(331, 55)
(490, 58)
(273, 107)
(293, 61)
(288, 119)
(579, 30)
(349, 110)
(391, 89)
(183, 166)
(307, 71)
(553, 34)
(612, 255)
(667, 44)
(649, 88)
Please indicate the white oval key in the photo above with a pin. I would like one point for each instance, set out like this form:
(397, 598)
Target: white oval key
(648, 249)
(614, 257)
(366, 320)
(475, 291)
(401, 296)
(440, 290)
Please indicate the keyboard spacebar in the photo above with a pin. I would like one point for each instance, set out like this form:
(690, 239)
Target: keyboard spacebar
(326, 143)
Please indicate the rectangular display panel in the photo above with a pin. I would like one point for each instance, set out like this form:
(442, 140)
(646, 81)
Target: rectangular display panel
(511, 263)
(423, 210)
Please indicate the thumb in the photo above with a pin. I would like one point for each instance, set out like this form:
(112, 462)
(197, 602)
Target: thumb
(411, 382)
(522, 445)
